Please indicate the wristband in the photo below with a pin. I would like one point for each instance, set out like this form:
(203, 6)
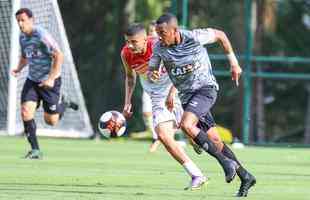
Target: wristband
(232, 58)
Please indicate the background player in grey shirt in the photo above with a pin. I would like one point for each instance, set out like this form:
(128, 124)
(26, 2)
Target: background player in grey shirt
(41, 53)
(188, 65)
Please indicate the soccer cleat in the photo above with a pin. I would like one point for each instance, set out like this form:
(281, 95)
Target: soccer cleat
(34, 154)
(246, 183)
(73, 106)
(69, 104)
(230, 168)
(196, 183)
(154, 146)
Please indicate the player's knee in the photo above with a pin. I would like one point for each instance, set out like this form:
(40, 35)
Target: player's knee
(214, 136)
(186, 126)
(26, 113)
(161, 136)
(52, 121)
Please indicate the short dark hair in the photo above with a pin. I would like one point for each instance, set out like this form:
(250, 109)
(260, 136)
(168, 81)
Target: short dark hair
(27, 11)
(166, 18)
(133, 29)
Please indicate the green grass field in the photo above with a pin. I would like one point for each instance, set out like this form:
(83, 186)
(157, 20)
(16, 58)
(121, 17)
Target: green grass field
(123, 169)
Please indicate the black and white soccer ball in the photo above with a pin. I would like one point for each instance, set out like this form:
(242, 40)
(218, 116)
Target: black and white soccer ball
(112, 124)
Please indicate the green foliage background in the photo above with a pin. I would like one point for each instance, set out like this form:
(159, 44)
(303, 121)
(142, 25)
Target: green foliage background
(95, 32)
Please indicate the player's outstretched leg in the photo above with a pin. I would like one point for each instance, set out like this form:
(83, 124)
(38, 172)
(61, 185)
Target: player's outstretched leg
(30, 132)
(229, 166)
(54, 112)
(27, 111)
(247, 179)
(190, 126)
(64, 104)
(155, 141)
(165, 132)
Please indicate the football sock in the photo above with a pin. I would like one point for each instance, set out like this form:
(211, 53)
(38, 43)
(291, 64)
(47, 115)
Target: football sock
(30, 131)
(192, 169)
(61, 107)
(203, 141)
(230, 154)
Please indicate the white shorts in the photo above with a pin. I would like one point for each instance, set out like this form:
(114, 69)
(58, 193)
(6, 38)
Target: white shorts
(162, 114)
(146, 102)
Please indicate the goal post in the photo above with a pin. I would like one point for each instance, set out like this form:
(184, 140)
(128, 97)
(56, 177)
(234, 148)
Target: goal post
(46, 14)
(12, 85)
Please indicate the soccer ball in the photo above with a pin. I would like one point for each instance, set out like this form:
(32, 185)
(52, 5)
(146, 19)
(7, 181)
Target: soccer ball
(112, 124)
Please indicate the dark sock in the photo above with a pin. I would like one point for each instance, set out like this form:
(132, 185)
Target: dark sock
(203, 141)
(61, 107)
(230, 154)
(30, 131)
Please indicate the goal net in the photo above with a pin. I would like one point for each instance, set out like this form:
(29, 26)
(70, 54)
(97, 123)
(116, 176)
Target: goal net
(46, 14)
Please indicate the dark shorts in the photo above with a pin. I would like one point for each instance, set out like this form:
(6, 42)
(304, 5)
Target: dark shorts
(50, 97)
(200, 104)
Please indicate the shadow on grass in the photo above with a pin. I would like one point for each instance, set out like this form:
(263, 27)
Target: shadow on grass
(5, 187)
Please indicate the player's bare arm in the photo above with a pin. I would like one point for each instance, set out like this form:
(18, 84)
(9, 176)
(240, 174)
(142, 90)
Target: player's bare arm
(155, 67)
(58, 58)
(130, 83)
(21, 64)
(154, 72)
(225, 43)
(170, 98)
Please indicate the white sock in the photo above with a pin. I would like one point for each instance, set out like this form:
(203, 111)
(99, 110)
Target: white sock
(192, 169)
(154, 134)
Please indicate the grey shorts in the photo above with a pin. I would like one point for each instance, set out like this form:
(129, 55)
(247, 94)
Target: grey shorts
(200, 104)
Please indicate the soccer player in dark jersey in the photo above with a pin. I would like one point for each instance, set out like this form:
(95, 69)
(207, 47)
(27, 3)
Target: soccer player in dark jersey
(41, 53)
(189, 68)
